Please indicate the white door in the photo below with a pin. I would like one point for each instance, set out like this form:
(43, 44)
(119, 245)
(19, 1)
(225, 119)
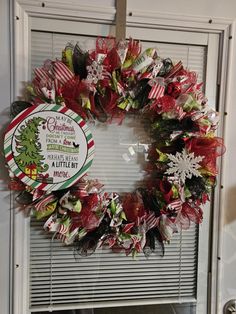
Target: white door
(55, 280)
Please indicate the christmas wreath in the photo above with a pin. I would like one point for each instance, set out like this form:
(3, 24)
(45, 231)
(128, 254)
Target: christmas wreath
(107, 84)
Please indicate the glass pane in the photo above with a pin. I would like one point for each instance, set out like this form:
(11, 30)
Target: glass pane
(124, 146)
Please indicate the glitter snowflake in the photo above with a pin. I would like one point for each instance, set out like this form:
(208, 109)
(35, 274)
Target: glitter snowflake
(95, 72)
(184, 165)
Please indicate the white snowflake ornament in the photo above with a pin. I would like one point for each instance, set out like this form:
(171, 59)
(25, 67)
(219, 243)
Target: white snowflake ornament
(184, 165)
(95, 72)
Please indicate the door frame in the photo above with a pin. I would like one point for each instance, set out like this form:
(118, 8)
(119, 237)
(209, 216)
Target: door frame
(25, 10)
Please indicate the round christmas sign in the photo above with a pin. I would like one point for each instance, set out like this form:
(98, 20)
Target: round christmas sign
(48, 147)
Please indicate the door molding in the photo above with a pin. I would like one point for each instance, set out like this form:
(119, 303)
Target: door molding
(24, 10)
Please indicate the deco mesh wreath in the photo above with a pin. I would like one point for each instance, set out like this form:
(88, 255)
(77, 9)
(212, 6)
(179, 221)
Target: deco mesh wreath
(108, 83)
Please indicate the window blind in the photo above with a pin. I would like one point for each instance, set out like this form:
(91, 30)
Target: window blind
(61, 279)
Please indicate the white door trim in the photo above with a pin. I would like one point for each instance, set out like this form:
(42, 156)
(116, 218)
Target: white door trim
(26, 9)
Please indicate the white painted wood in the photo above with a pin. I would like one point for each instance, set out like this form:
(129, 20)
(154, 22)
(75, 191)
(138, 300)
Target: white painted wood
(70, 27)
(212, 69)
(77, 10)
(6, 212)
(187, 10)
(205, 228)
(154, 34)
(182, 17)
(137, 12)
(224, 250)
(21, 276)
(56, 25)
(191, 22)
(21, 55)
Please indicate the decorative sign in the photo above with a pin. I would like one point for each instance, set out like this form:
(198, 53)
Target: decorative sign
(49, 147)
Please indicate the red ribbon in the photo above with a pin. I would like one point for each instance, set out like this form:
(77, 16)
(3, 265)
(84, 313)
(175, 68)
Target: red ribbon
(88, 218)
(104, 45)
(164, 104)
(189, 213)
(72, 92)
(133, 207)
(134, 49)
(209, 148)
(166, 189)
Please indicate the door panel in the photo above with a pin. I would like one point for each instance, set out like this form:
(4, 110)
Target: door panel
(46, 45)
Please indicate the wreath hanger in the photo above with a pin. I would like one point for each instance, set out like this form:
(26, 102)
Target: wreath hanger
(121, 10)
